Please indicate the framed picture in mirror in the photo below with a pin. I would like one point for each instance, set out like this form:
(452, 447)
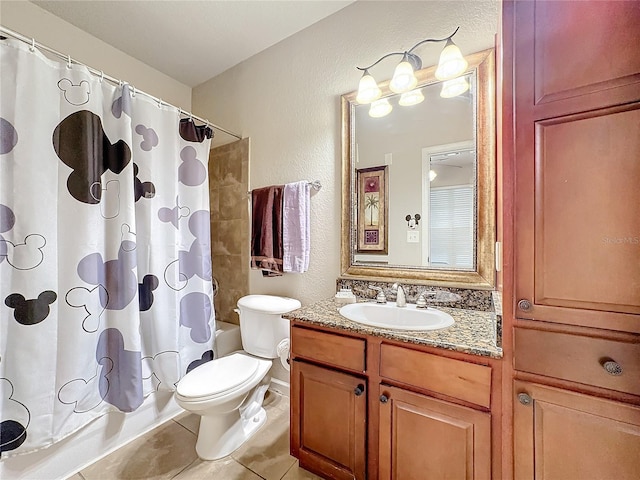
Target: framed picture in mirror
(372, 209)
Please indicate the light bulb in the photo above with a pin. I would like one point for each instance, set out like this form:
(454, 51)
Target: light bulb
(432, 175)
(413, 97)
(380, 108)
(403, 78)
(452, 64)
(455, 87)
(368, 89)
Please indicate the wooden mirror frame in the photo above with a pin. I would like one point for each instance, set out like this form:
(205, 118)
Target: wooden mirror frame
(483, 277)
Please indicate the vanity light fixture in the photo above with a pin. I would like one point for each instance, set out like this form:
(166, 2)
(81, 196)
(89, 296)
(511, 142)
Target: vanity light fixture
(451, 65)
(368, 89)
(455, 87)
(403, 78)
(380, 108)
(412, 97)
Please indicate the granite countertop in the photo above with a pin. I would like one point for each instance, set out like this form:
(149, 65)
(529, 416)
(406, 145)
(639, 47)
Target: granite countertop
(473, 332)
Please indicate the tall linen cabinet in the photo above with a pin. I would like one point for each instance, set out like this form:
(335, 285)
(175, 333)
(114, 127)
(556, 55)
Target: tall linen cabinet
(570, 174)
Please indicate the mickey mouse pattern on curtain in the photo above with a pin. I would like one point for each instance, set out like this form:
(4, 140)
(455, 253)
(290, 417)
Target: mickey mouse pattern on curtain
(105, 264)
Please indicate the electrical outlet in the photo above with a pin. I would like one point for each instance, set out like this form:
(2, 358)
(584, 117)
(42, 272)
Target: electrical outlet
(413, 236)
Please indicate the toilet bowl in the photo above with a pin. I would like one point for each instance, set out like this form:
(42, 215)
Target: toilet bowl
(228, 392)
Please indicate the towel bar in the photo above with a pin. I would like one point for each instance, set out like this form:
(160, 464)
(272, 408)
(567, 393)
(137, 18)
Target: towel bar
(316, 185)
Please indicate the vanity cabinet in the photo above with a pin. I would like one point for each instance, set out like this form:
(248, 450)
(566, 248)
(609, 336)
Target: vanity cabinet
(560, 434)
(577, 121)
(576, 412)
(331, 415)
(328, 403)
(424, 431)
(416, 411)
(421, 437)
(571, 117)
(565, 435)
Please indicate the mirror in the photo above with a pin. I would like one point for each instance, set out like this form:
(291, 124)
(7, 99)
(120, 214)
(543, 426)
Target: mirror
(419, 184)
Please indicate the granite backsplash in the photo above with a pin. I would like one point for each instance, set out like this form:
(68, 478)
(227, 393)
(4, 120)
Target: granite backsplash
(480, 300)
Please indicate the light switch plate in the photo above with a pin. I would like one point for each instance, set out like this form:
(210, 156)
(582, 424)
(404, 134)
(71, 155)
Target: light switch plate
(413, 236)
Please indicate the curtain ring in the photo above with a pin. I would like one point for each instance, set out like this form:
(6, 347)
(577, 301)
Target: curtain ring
(159, 103)
(120, 83)
(207, 122)
(33, 45)
(133, 93)
(179, 112)
(68, 61)
(101, 76)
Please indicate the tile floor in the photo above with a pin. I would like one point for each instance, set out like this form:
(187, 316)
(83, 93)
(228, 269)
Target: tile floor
(168, 452)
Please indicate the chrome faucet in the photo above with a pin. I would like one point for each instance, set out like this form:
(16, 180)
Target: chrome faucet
(380, 298)
(401, 299)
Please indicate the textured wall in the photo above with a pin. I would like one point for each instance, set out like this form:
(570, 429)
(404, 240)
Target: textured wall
(287, 100)
(32, 21)
(228, 179)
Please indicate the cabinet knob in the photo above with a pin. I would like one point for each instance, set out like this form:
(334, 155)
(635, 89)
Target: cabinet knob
(359, 390)
(612, 368)
(524, 399)
(384, 399)
(524, 305)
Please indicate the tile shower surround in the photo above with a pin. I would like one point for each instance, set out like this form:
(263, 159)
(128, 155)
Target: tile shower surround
(228, 184)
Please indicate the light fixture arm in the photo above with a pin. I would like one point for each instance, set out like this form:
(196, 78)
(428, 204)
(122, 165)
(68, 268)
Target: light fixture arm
(379, 60)
(412, 56)
(433, 40)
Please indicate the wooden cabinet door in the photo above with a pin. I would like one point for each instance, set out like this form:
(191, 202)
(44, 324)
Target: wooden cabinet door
(328, 421)
(562, 435)
(577, 162)
(422, 438)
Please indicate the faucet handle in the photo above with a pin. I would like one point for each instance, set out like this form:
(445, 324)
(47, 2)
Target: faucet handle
(380, 298)
(422, 298)
(422, 301)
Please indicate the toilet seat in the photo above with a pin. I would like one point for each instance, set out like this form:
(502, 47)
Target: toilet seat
(220, 377)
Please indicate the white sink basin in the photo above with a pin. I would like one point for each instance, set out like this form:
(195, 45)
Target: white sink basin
(390, 316)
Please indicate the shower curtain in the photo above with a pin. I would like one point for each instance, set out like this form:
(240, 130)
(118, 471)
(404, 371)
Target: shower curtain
(105, 264)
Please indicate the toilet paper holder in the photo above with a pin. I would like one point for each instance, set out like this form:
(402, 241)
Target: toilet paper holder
(283, 351)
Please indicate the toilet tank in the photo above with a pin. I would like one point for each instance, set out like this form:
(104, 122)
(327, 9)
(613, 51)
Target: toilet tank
(261, 324)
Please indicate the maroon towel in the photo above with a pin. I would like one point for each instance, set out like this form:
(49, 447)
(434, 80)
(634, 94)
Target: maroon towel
(266, 230)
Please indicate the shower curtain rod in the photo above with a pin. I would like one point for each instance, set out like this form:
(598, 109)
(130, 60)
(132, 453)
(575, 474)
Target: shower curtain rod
(99, 73)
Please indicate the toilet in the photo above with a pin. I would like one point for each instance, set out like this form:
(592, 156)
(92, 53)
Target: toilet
(228, 392)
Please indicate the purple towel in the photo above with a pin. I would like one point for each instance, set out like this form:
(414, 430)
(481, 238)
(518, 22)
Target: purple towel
(296, 220)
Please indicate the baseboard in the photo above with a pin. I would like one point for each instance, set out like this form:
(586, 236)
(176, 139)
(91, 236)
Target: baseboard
(279, 386)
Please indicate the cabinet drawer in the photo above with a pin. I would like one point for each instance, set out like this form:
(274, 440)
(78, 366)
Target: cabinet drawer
(467, 381)
(578, 358)
(345, 352)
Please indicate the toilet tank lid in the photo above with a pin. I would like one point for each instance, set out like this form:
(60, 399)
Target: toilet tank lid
(269, 303)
